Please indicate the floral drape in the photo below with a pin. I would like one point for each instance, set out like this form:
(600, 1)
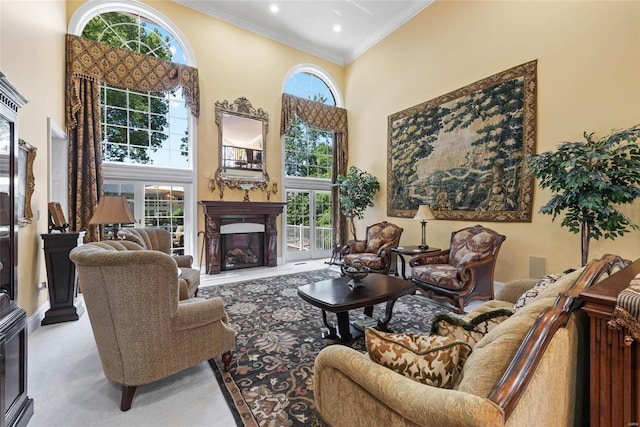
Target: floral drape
(329, 118)
(88, 64)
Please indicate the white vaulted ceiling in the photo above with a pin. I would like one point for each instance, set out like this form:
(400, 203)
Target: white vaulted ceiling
(308, 25)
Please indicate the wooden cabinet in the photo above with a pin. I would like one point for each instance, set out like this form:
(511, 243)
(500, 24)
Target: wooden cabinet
(16, 408)
(614, 360)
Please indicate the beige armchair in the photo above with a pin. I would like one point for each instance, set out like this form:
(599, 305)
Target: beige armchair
(142, 331)
(159, 239)
(462, 273)
(375, 250)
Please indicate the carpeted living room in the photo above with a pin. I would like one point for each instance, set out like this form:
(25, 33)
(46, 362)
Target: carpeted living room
(449, 108)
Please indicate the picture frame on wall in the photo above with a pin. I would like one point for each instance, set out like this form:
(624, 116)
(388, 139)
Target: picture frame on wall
(26, 182)
(465, 154)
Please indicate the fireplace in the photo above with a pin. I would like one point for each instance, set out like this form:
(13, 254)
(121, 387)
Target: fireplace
(241, 247)
(240, 234)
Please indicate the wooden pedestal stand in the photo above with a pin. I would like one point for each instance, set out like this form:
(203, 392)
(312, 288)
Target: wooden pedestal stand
(61, 275)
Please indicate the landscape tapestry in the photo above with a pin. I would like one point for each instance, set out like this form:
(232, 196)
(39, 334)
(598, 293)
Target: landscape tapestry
(465, 154)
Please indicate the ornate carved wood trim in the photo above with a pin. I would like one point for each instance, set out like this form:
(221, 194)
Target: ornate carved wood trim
(518, 375)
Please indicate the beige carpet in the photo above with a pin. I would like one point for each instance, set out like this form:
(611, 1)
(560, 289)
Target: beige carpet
(69, 389)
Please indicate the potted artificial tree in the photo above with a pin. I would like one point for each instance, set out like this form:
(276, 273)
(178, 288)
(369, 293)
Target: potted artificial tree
(356, 194)
(590, 180)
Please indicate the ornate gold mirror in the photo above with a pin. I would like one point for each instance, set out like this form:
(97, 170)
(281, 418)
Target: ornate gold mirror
(26, 182)
(242, 134)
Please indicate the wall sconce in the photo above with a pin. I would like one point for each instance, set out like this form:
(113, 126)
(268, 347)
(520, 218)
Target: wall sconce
(212, 182)
(274, 190)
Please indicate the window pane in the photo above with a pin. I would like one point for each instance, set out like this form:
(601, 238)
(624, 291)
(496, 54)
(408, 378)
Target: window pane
(114, 97)
(141, 111)
(308, 151)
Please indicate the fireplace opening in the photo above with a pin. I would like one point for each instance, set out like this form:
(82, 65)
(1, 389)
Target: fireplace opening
(242, 250)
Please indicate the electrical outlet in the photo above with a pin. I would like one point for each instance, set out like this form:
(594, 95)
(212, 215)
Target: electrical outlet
(537, 267)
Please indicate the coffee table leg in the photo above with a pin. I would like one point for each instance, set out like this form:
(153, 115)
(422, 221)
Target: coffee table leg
(343, 332)
(331, 329)
(368, 311)
(344, 328)
(388, 312)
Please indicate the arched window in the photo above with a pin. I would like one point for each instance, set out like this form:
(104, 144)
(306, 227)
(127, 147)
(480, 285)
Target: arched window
(308, 168)
(148, 138)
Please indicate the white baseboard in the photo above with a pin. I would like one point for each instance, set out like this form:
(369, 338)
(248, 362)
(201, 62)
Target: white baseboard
(33, 321)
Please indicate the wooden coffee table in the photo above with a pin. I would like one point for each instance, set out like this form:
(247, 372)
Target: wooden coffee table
(334, 295)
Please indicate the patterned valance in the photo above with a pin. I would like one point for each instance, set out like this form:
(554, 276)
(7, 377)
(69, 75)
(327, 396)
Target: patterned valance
(91, 60)
(313, 113)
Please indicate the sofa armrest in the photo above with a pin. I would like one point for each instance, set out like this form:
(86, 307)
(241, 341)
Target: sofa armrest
(197, 312)
(184, 289)
(395, 393)
(183, 260)
(439, 257)
(511, 291)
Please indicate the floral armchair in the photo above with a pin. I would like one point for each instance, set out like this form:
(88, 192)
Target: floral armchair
(462, 273)
(375, 250)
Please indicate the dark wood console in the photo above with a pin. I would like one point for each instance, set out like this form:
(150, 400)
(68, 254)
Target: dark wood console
(218, 214)
(614, 360)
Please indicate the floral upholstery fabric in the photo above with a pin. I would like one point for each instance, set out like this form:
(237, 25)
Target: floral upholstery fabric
(442, 275)
(469, 331)
(372, 261)
(432, 360)
(467, 247)
(375, 251)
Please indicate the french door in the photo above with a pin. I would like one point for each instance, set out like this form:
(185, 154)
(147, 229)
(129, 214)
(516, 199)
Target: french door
(309, 232)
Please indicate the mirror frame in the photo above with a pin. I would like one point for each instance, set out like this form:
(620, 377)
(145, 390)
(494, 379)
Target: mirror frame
(26, 182)
(241, 107)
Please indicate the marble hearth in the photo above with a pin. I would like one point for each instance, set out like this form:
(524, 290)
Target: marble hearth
(240, 217)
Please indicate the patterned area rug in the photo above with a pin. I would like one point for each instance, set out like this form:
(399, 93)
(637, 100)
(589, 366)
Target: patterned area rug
(270, 382)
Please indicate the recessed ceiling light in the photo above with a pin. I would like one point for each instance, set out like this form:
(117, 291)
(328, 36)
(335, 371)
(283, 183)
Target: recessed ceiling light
(274, 8)
(337, 28)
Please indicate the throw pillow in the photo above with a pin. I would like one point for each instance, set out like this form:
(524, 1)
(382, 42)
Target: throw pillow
(374, 245)
(529, 295)
(469, 331)
(431, 360)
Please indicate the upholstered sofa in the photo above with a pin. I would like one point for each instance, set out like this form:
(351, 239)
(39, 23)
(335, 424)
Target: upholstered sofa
(529, 370)
(159, 239)
(143, 331)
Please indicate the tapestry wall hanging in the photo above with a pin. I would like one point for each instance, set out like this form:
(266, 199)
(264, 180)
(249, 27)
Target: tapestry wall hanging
(466, 153)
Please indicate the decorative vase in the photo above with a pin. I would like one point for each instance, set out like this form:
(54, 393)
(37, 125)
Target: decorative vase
(356, 271)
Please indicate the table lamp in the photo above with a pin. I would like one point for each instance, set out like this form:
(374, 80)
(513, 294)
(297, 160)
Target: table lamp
(423, 214)
(112, 210)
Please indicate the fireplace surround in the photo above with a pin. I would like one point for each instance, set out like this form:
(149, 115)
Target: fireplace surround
(224, 218)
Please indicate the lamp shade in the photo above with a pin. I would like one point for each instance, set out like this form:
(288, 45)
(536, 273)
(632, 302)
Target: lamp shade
(112, 210)
(424, 213)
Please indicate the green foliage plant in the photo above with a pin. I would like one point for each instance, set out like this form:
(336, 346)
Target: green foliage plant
(356, 193)
(590, 180)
